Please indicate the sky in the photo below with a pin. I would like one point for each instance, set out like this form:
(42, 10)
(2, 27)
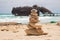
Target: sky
(7, 5)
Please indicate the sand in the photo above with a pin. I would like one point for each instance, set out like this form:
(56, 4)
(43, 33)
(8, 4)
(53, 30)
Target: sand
(16, 32)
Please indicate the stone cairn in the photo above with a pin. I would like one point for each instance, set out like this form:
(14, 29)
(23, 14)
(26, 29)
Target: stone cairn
(33, 28)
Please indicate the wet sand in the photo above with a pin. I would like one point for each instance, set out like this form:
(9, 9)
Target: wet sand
(16, 32)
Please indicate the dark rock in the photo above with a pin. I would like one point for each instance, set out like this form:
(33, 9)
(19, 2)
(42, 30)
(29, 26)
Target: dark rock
(53, 22)
(26, 10)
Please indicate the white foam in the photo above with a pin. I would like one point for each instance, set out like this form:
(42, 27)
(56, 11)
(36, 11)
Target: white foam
(25, 20)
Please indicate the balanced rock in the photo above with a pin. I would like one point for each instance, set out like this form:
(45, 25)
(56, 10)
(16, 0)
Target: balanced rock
(33, 28)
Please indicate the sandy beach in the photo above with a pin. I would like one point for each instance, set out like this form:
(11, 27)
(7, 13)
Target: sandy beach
(17, 32)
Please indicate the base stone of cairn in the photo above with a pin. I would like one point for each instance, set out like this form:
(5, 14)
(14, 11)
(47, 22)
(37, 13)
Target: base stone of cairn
(34, 29)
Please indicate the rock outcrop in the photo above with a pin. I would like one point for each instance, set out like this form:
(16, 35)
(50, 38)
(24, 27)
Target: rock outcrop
(26, 10)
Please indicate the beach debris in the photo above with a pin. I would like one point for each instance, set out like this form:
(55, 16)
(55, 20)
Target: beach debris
(34, 28)
(10, 27)
(4, 28)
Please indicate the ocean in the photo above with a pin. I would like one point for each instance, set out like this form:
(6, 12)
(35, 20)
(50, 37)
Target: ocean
(25, 19)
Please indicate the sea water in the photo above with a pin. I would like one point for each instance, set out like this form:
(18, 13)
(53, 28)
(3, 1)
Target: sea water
(25, 19)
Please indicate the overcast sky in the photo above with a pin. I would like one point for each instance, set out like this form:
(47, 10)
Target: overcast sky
(7, 5)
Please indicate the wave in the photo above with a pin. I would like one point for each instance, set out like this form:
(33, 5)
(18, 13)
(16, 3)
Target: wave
(25, 19)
